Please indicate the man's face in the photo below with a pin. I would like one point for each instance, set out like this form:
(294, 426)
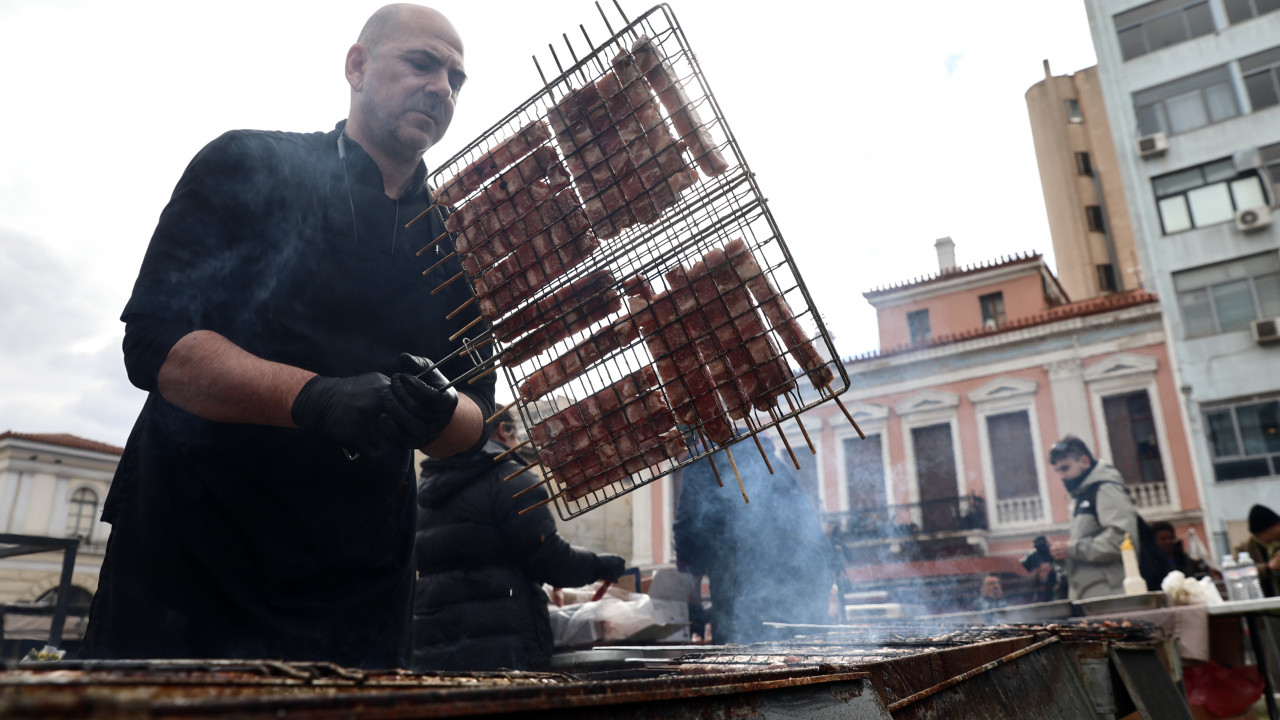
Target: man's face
(1270, 535)
(991, 587)
(409, 83)
(1069, 468)
(1166, 540)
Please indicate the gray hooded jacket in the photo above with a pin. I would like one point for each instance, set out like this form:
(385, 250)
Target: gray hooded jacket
(1094, 567)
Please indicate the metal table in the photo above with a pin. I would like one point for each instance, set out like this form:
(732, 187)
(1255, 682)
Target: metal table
(1251, 611)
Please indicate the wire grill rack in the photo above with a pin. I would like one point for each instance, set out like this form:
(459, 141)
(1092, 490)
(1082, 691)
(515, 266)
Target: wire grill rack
(705, 216)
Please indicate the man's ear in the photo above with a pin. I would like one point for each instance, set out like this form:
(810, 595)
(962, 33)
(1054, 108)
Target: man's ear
(357, 60)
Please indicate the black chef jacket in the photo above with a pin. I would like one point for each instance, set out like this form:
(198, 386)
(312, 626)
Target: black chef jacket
(233, 540)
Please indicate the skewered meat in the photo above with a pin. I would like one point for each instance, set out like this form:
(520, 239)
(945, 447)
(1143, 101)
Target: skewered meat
(696, 324)
(684, 378)
(534, 315)
(476, 242)
(488, 165)
(619, 150)
(592, 408)
(779, 312)
(541, 163)
(773, 376)
(576, 361)
(653, 63)
(532, 265)
(573, 321)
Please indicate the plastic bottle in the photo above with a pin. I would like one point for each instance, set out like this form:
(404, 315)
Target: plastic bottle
(1134, 584)
(1231, 578)
(1250, 572)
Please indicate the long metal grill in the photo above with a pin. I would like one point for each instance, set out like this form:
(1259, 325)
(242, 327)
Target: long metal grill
(637, 292)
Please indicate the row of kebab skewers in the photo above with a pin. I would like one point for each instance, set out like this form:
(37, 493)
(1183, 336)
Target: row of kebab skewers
(522, 218)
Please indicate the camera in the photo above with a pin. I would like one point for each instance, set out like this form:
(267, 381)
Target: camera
(1038, 556)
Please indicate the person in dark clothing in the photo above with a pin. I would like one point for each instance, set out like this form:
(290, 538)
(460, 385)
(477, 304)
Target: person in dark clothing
(1171, 550)
(263, 506)
(767, 560)
(479, 603)
(1263, 546)
(991, 597)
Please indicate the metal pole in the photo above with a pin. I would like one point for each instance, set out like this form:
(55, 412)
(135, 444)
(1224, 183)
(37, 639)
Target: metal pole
(64, 591)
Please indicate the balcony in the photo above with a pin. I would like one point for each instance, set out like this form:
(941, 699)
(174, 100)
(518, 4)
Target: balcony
(927, 530)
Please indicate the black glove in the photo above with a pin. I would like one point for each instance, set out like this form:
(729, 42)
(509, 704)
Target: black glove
(342, 410)
(417, 410)
(610, 567)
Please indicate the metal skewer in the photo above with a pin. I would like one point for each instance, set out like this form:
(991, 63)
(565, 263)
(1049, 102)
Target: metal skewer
(494, 416)
(440, 262)
(755, 435)
(845, 410)
(511, 450)
(460, 308)
(446, 282)
(742, 488)
(794, 461)
(521, 470)
(465, 328)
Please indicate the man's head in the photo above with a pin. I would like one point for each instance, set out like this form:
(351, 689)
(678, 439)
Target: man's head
(1166, 538)
(1264, 524)
(405, 71)
(1072, 460)
(505, 429)
(991, 587)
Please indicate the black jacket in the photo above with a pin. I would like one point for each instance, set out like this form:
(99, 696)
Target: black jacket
(239, 540)
(479, 604)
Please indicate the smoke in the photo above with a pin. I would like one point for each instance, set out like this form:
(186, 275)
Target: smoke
(767, 560)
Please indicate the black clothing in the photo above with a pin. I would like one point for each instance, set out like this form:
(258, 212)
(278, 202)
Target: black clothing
(236, 540)
(1261, 519)
(767, 560)
(479, 603)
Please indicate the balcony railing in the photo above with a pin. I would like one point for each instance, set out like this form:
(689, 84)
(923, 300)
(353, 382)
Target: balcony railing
(1019, 511)
(1149, 496)
(953, 514)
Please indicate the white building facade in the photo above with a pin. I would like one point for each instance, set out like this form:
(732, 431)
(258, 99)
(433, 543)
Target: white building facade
(1192, 91)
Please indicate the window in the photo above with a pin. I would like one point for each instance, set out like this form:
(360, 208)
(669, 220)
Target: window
(1073, 110)
(82, 512)
(1093, 216)
(864, 472)
(1107, 278)
(1205, 195)
(1083, 164)
(1160, 24)
(918, 325)
(1012, 461)
(935, 476)
(1271, 159)
(992, 309)
(1131, 429)
(1229, 296)
(1262, 77)
(1187, 103)
(1241, 10)
(1245, 440)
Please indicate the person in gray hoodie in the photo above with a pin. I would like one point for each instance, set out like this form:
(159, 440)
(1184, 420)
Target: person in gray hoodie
(1102, 515)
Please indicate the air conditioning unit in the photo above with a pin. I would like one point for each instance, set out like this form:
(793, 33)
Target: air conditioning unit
(1266, 330)
(1153, 144)
(1251, 219)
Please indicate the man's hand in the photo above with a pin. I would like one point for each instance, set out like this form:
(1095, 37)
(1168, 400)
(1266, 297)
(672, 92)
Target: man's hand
(1058, 549)
(1274, 563)
(610, 567)
(344, 411)
(417, 410)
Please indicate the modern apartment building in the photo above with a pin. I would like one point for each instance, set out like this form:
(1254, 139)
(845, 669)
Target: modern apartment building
(1192, 93)
(1083, 192)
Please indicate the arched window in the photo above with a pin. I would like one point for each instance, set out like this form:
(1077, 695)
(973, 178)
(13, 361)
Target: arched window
(78, 599)
(82, 513)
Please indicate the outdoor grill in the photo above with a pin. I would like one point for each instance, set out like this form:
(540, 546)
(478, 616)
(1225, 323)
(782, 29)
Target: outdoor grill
(621, 247)
(901, 670)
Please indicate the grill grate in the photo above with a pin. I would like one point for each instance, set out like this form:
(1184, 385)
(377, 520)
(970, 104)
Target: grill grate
(626, 262)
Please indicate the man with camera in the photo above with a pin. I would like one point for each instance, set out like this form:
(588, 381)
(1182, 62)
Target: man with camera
(1050, 577)
(1103, 514)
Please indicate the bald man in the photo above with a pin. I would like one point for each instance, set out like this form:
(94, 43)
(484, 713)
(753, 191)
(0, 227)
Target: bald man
(281, 325)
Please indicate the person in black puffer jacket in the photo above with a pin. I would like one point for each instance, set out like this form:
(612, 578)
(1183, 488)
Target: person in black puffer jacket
(479, 603)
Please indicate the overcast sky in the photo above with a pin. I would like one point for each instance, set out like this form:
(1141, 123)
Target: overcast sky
(873, 129)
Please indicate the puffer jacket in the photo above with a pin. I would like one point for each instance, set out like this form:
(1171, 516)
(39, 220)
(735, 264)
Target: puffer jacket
(478, 599)
(1094, 566)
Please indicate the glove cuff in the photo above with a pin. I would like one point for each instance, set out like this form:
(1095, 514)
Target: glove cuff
(301, 412)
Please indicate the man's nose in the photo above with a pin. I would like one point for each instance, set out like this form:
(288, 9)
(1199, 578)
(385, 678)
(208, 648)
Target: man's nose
(438, 85)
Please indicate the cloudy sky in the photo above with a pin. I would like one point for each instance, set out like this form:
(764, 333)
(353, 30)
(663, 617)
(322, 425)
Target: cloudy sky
(873, 129)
